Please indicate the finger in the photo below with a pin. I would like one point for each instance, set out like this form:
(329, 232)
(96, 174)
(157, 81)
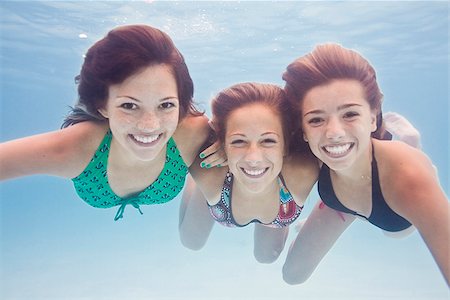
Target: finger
(216, 163)
(216, 146)
(216, 159)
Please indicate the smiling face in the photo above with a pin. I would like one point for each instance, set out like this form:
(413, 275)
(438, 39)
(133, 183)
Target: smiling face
(143, 112)
(337, 122)
(254, 146)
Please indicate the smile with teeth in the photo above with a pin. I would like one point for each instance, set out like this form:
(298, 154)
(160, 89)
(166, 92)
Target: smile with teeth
(338, 150)
(146, 139)
(254, 172)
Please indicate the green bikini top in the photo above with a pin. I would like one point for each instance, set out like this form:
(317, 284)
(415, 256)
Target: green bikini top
(92, 184)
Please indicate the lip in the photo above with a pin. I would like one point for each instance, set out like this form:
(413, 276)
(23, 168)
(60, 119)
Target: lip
(338, 150)
(145, 140)
(254, 173)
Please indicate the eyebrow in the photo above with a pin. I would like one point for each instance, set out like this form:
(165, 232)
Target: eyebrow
(265, 133)
(340, 107)
(160, 100)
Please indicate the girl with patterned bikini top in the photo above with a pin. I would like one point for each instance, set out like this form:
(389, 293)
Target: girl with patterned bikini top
(134, 131)
(265, 184)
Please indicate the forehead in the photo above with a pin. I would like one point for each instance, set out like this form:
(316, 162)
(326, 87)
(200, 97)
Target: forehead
(154, 77)
(335, 94)
(253, 118)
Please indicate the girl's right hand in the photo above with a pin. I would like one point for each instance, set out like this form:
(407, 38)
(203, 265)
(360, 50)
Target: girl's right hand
(214, 156)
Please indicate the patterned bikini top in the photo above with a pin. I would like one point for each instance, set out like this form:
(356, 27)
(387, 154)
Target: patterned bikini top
(92, 184)
(287, 214)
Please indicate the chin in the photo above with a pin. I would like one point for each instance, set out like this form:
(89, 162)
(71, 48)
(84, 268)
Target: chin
(337, 166)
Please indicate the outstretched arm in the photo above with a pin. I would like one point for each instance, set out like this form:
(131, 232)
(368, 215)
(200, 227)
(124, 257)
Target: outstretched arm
(315, 238)
(195, 222)
(419, 198)
(62, 153)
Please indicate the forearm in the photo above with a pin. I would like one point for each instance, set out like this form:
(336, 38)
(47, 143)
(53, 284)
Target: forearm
(195, 223)
(316, 237)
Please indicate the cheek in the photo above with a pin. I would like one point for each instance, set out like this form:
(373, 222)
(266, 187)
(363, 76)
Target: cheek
(232, 154)
(171, 120)
(275, 155)
(119, 119)
(308, 134)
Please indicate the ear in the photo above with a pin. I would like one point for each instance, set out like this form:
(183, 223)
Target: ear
(373, 121)
(103, 112)
(305, 138)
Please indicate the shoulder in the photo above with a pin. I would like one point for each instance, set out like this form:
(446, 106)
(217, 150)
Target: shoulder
(84, 136)
(192, 132)
(300, 172)
(78, 143)
(396, 158)
(407, 177)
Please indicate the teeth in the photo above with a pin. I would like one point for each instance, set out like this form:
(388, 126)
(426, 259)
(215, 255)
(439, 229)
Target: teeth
(338, 149)
(254, 172)
(146, 139)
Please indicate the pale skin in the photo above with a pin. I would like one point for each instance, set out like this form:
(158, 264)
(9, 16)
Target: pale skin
(142, 113)
(254, 146)
(337, 122)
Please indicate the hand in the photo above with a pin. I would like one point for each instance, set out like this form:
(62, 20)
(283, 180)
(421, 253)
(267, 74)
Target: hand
(401, 129)
(214, 156)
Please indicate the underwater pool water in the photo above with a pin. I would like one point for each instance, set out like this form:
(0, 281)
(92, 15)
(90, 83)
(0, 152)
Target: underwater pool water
(54, 246)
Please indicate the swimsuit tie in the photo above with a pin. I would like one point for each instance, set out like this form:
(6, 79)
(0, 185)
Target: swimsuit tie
(133, 202)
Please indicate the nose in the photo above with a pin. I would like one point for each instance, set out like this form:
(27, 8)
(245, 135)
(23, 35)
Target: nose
(148, 122)
(334, 129)
(254, 155)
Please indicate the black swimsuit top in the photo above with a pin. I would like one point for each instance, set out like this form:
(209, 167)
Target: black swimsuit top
(381, 216)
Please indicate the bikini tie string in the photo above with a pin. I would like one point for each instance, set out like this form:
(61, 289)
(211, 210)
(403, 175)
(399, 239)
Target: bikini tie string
(133, 202)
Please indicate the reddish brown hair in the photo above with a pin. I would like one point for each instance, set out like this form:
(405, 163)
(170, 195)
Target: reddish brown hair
(123, 52)
(248, 93)
(329, 62)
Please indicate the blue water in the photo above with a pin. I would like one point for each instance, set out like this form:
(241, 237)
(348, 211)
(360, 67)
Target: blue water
(54, 246)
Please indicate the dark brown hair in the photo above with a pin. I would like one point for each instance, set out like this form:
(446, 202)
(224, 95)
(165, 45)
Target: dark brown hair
(123, 52)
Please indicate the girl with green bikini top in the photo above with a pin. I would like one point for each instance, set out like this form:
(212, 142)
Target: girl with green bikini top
(134, 131)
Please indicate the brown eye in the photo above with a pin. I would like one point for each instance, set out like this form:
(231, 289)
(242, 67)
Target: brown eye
(167, 105)
(128, 106)
(237, 142)
(269, 141)
(315, 121)
(351, 114)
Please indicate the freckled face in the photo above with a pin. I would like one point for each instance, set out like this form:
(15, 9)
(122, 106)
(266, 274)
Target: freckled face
(143, 112)
(337, 122)
(254, 145)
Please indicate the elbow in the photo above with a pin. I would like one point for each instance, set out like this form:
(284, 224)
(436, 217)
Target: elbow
(192, 242)
(265, 256)
(295, 277)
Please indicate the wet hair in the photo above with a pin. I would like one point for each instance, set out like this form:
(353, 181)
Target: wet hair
(248, 93)
(123, 52)
(330, 62)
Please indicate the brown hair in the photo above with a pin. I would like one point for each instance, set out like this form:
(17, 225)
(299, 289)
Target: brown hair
(329, 62)
(243, 94)
(123, 52)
